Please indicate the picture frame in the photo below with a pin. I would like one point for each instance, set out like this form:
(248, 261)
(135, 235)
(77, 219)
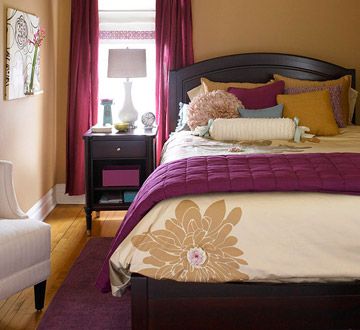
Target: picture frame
(20, 28)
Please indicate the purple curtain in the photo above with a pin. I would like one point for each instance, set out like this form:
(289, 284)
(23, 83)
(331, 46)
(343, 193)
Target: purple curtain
(174, 49)
(83, 88)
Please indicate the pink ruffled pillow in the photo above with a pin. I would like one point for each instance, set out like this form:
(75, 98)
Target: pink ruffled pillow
(216, 104)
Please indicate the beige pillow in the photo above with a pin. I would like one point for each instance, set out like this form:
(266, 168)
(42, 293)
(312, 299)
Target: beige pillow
(344, 81)
(195, 92)
(353, 94)
(313, 109)
(210, 86)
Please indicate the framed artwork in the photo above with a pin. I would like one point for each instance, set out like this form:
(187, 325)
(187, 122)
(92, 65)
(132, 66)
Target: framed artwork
(20, 28)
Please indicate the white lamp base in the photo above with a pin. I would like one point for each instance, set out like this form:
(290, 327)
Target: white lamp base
(128, 113)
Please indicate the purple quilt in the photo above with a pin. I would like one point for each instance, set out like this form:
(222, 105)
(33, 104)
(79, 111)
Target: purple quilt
(322, 172)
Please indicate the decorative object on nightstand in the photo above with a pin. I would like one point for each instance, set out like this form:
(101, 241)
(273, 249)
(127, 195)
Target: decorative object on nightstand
(121, 127)
(107, 117)
(101, 129)
(148, 120)
(116, 165)
(127, 63)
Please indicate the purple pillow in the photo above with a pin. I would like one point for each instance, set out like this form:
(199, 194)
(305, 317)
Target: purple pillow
(335, 97)
(259, 97)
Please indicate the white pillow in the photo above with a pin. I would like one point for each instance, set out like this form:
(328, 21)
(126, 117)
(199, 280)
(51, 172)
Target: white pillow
(183, 118)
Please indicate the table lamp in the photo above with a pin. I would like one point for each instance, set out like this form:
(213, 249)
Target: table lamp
(127, 63)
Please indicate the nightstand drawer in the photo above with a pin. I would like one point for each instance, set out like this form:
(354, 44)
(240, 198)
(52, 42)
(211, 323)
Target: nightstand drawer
(118, 149)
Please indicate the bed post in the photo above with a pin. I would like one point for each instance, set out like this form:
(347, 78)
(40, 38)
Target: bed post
(139, 302)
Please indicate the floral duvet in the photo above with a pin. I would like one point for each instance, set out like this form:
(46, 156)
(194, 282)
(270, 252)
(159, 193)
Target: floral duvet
(268, 235)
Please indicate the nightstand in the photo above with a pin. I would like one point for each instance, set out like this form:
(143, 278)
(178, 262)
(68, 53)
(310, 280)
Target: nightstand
(116, 165)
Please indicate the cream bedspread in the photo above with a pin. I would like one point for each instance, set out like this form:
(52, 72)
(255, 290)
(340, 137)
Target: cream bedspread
(183, 144)
(281, 237)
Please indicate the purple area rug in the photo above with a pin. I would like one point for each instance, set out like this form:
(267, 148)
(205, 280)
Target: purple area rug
(79, 305)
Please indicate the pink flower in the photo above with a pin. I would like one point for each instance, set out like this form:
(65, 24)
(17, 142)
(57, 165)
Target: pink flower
(39, 36)
(196, 256)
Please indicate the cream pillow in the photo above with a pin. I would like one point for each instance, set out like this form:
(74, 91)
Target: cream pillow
(252, 129)
(313, 109)
(353, 94)
(195, 92)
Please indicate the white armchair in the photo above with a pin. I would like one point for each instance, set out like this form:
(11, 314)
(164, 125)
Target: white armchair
(24, 244)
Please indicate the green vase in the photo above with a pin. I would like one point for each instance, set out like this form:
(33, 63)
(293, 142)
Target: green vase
(31, 85)
(107, 117)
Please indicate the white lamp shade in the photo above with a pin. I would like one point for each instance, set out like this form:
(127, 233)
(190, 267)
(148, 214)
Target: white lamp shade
(127, 63)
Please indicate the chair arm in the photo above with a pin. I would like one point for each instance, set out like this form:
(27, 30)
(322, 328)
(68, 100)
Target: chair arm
(9, 207)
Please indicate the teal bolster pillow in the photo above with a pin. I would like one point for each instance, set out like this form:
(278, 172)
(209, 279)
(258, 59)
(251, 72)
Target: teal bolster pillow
(272, 112)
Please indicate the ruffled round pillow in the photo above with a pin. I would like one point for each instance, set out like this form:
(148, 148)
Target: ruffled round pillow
(216, 104)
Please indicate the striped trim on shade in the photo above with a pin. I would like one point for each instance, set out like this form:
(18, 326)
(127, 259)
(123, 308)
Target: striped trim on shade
(127, 35)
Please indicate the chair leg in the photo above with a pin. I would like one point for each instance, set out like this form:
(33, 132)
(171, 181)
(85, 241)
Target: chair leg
(39, 292)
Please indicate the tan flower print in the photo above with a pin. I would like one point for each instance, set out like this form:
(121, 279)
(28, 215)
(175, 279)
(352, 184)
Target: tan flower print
(194, 247)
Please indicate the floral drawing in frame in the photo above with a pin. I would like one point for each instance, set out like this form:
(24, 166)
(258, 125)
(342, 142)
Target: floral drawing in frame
(20, 27)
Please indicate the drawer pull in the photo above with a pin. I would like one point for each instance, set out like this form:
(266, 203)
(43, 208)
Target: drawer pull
(118, 149)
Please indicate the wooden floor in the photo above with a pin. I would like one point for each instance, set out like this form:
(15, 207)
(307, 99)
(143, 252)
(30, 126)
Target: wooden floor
(68, 238)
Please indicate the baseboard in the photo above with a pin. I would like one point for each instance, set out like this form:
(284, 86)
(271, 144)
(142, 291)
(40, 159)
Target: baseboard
(56, 195)
(63, 198)
(43, 207)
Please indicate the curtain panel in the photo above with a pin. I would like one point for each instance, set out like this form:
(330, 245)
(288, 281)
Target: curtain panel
(174, 49)
(83, 88)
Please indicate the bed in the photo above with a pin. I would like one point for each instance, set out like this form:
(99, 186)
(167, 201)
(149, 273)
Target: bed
(251, 297)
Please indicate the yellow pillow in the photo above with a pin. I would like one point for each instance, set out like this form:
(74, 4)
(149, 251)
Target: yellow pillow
(313, 109)
(210, 86)
(344, 81)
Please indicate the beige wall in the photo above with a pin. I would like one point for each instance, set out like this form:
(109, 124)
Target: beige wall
(27, 125)
(63, 37)
(33, 129)
(324, 29)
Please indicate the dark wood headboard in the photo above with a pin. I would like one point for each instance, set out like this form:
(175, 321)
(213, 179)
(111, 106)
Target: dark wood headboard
(251, 67)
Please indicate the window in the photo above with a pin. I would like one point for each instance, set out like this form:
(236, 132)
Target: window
(127, 24)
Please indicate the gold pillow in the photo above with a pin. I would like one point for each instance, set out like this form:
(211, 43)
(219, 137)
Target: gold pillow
(344, 81)
(313, 109)
(210, 86)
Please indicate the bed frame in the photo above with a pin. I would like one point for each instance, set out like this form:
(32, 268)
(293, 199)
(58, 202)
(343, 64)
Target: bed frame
(164, 304)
